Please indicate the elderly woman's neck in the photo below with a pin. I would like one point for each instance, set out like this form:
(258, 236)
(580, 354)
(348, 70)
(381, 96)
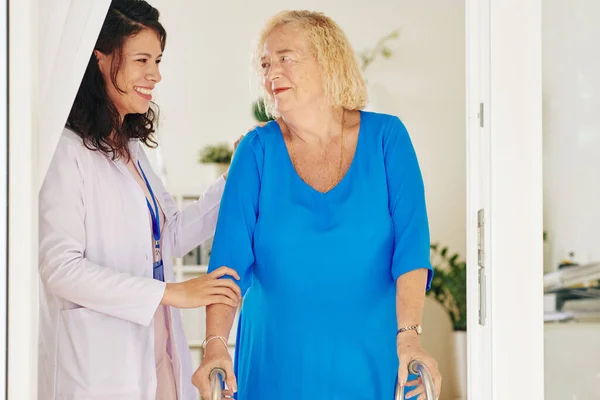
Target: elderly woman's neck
(315, 127)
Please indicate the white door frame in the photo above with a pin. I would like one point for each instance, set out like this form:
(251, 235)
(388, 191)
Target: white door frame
(35, 115)
(516, 231)
(3, 193)
(479, 350)
(22, 203)
(504, 178)
(504, 159)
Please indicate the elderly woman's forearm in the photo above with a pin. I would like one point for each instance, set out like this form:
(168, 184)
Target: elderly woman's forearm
(219, 319)
(410, 297)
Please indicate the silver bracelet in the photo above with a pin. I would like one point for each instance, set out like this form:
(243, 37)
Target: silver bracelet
(211, 337)
(416, 328)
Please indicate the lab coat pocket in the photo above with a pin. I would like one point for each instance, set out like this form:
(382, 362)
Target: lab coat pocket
(95, 356)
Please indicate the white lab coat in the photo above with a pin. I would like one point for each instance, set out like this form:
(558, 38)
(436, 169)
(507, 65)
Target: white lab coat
(97, 295)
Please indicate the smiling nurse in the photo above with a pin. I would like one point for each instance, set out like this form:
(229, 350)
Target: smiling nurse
(110, 327)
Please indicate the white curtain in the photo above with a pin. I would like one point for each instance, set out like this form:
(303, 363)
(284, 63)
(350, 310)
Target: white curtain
(68, 31)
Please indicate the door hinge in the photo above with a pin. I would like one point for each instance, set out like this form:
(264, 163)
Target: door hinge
(480, 238)
(482, 294)
(481, 264)
(480, 115)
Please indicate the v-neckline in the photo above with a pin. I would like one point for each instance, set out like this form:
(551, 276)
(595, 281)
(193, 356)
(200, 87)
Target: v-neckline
(348, 171)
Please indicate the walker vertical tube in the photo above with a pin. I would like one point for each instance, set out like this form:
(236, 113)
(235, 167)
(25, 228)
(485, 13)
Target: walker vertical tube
(417, 367)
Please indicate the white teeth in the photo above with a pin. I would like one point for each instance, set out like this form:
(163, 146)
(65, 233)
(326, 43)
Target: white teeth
(143, 90)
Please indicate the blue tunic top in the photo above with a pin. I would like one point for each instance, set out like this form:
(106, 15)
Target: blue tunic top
(318, 270)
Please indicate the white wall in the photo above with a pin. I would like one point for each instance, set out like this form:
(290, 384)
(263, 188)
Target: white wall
(571, 88)
(205, 93)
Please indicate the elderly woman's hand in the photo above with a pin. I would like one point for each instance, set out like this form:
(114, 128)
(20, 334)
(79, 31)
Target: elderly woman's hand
(216, 355)
(409, 349)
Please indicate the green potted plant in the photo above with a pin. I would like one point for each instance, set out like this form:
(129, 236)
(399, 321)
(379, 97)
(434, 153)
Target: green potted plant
(368, 56)
(219, 155)
(259, 110)
(449, 288)
(449, 284)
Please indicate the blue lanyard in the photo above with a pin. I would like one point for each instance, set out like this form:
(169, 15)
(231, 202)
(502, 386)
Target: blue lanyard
(158, 270)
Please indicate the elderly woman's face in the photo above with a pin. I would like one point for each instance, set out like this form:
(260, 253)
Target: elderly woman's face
(291, 73)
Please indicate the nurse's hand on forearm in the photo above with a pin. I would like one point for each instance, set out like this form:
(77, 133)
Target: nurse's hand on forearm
(205, 290)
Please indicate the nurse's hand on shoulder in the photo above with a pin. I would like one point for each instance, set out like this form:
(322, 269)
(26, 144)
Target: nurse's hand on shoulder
(216, 355)
(235, 145)
(205, 290)
(261, 124)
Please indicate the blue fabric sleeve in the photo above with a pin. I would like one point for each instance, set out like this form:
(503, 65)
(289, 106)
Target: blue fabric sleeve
(233, 241)
(407, 204)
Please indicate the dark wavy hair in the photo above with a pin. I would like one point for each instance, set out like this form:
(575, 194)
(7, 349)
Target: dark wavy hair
(94, 116)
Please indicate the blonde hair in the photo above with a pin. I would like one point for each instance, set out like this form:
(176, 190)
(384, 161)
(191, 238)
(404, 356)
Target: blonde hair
(343, 83)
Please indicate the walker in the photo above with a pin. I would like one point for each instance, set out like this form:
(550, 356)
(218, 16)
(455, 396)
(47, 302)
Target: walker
(217, 382)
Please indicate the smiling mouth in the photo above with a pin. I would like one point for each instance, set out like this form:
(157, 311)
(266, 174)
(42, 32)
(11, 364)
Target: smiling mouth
(280, 90)
(144, 91)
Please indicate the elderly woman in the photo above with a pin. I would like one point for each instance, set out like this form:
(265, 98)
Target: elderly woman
(324, 219)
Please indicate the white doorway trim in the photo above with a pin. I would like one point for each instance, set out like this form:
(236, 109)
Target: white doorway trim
(22, 203)
(516, 199)
(504, 161)
(479, 351)
(36, 117)
(3, 193)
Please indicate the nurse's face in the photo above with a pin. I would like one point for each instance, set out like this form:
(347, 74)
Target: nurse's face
(137, 72)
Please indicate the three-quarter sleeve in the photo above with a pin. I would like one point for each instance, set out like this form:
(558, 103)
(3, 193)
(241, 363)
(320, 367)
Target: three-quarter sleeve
(194, 224)
(233, 242)
(407, 203)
